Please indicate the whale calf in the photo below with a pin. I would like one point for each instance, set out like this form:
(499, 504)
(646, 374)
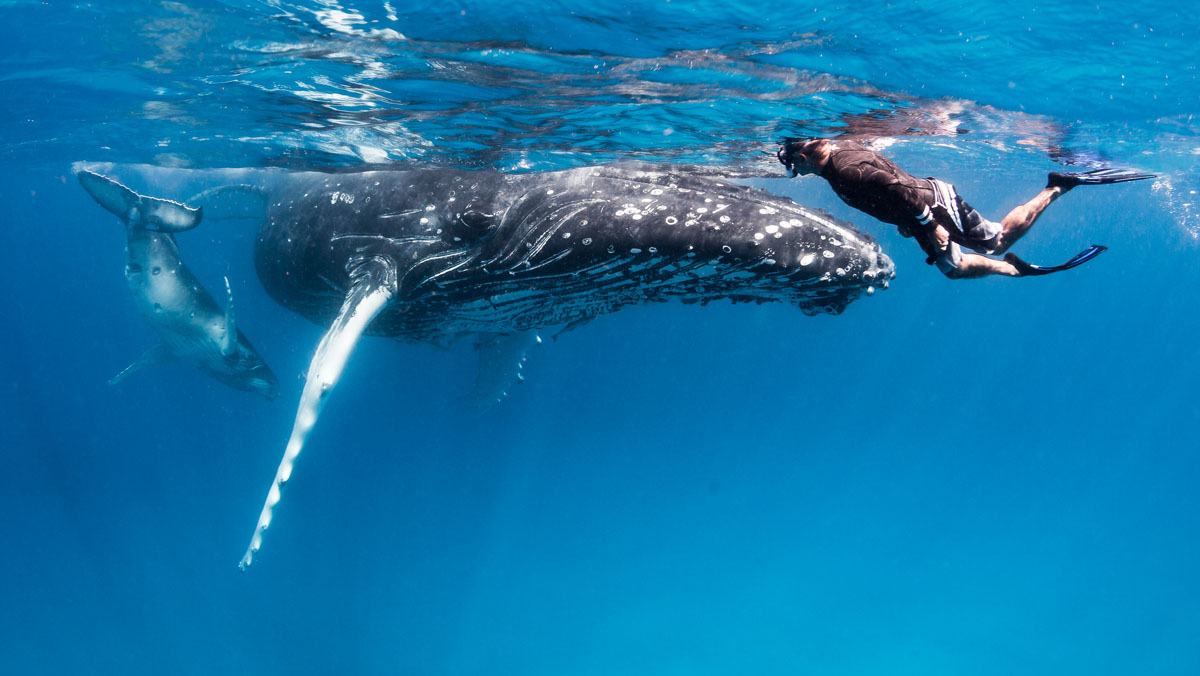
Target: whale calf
(433, 254)
(189, 324)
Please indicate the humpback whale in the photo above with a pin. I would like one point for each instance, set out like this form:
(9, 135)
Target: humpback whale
(434, 254)
(189, 324)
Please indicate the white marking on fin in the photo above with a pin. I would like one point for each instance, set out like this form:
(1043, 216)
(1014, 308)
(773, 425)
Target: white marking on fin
(373, 285)
(229, 340)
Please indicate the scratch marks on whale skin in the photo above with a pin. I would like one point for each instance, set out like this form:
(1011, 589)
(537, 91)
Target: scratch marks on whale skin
(441, 273)
(535, 247)
(431, 258)
(415, 239)
(399, 214)
(530, 221)
(551, 259)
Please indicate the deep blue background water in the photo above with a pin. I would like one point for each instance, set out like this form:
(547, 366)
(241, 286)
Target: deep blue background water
(992, 477)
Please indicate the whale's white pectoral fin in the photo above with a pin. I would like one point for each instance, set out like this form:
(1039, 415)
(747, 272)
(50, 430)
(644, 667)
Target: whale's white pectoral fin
(501, 364)
(230, 339)
(373, 286)
(154, 355)
(139, 211)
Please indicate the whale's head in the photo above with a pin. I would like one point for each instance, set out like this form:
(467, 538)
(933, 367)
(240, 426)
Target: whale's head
(609, 236)
(245, 370)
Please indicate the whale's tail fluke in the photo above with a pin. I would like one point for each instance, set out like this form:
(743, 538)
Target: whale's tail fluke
(139, 211)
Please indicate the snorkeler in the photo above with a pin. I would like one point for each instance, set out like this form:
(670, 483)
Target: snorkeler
(930, 210)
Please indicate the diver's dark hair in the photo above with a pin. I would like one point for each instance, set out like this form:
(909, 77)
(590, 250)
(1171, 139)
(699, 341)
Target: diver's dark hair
(801, 144)
(794, 146)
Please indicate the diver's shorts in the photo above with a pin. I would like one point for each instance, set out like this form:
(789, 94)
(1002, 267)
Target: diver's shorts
(950, 259)
(982, 234)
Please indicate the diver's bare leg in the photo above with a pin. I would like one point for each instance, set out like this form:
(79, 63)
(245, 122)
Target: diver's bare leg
(1020, 220)
(974, 266)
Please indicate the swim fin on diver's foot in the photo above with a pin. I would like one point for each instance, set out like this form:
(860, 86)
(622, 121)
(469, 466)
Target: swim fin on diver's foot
(1058, 179)
(1029, 269)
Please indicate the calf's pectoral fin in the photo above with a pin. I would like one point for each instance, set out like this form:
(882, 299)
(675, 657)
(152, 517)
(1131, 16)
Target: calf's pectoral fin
(153, 355)
(373, 285)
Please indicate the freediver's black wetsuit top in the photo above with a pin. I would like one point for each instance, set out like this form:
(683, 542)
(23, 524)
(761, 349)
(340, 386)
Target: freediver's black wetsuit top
(873, 184)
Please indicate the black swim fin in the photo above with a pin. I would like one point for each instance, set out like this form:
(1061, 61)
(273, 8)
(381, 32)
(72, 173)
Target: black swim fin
(1029, 269)
(1095, 177)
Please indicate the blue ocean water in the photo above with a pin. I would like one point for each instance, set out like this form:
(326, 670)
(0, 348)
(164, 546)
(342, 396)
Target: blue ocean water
(988, 477)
